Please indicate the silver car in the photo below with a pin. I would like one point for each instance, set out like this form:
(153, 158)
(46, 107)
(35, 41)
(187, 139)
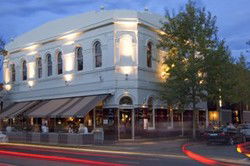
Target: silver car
(245, 129)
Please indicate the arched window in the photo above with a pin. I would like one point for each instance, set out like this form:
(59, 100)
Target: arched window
(79, 58)
(13, 73)
(49, 65)
(98, 54)
(126, 100)
(149, 54)
(24, 67)
(59, 63)
(39, 67)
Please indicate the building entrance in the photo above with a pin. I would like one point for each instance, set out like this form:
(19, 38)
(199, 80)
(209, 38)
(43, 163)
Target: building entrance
(126, 124)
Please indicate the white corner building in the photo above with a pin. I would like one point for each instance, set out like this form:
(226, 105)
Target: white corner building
(101, 68)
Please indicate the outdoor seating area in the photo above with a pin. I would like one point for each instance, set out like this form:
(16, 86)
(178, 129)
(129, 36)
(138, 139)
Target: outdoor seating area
(74, 139)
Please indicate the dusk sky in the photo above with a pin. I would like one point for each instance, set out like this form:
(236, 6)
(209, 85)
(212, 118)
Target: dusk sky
(19, 16)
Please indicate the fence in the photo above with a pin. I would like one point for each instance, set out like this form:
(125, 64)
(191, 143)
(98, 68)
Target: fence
(56, 138)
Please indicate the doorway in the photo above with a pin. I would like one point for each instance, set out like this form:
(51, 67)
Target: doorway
(126, 122)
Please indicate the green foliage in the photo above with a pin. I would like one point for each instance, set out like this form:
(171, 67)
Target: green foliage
(2, 50)
(200, 60)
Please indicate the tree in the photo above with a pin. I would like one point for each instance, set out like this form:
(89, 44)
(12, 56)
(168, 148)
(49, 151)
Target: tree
(192, 46)
(240, 91)
(2, 50)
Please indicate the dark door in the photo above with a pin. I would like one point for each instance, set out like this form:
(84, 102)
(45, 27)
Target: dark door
(125, 116)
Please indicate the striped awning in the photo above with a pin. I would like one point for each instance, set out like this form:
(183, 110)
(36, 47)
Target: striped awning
(67, 107)
(17, 109)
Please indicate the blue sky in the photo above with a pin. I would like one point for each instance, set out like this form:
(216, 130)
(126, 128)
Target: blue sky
(19, 16)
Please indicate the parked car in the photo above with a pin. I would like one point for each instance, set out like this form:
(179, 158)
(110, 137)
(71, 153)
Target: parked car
(3, 137)
(245, 129)
(224, 135)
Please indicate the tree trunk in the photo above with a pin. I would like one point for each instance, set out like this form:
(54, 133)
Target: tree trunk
(194, 121)
(182, 124)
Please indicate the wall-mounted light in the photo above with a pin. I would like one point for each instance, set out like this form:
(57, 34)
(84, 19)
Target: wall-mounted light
(68, 43)
(70, 36)
(32, 47)
(7, 87)
(126, 69)
(32, 53)
(31, 83)
(68, 78)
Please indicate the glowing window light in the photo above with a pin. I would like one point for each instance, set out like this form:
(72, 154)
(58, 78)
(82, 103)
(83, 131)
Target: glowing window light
(69, 62)
(31, 70)
(126, 45)
(6, 75)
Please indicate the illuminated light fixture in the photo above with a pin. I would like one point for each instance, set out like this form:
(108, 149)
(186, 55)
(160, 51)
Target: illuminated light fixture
(68, 78)
(69, 43)
(33, 47)
(70, 36)
(7, 87)
(127, 24)
(126, 69)
(32, 53)
(31, 83)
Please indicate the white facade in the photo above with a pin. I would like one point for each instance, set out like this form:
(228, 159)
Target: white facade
(124, 36)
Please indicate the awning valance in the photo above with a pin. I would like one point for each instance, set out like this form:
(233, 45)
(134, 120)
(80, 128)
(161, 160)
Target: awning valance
(67, 107)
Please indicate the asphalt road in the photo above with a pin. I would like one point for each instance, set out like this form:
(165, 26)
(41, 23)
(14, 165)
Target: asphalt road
(38, 156)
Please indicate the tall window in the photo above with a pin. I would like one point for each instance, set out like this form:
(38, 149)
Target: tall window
(24, 67)
(59, 63)
(49, 65)
(39, 67)
(13, 73)
(98, 54)
(79, 58)
(149, 54)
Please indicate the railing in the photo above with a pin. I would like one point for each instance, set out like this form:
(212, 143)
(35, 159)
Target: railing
(56, 138)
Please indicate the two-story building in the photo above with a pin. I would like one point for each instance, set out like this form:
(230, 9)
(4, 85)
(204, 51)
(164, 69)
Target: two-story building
(100, 68)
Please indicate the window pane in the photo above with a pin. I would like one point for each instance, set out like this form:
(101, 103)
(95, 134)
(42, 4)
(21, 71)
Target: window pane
(13, 73)
(59, 63)
(79, 59)
(98, 54)
(39, 67)
(49, 65)
(149, 54)
(24, 70)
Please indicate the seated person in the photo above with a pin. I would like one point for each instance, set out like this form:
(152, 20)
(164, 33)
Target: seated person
(82, 129)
